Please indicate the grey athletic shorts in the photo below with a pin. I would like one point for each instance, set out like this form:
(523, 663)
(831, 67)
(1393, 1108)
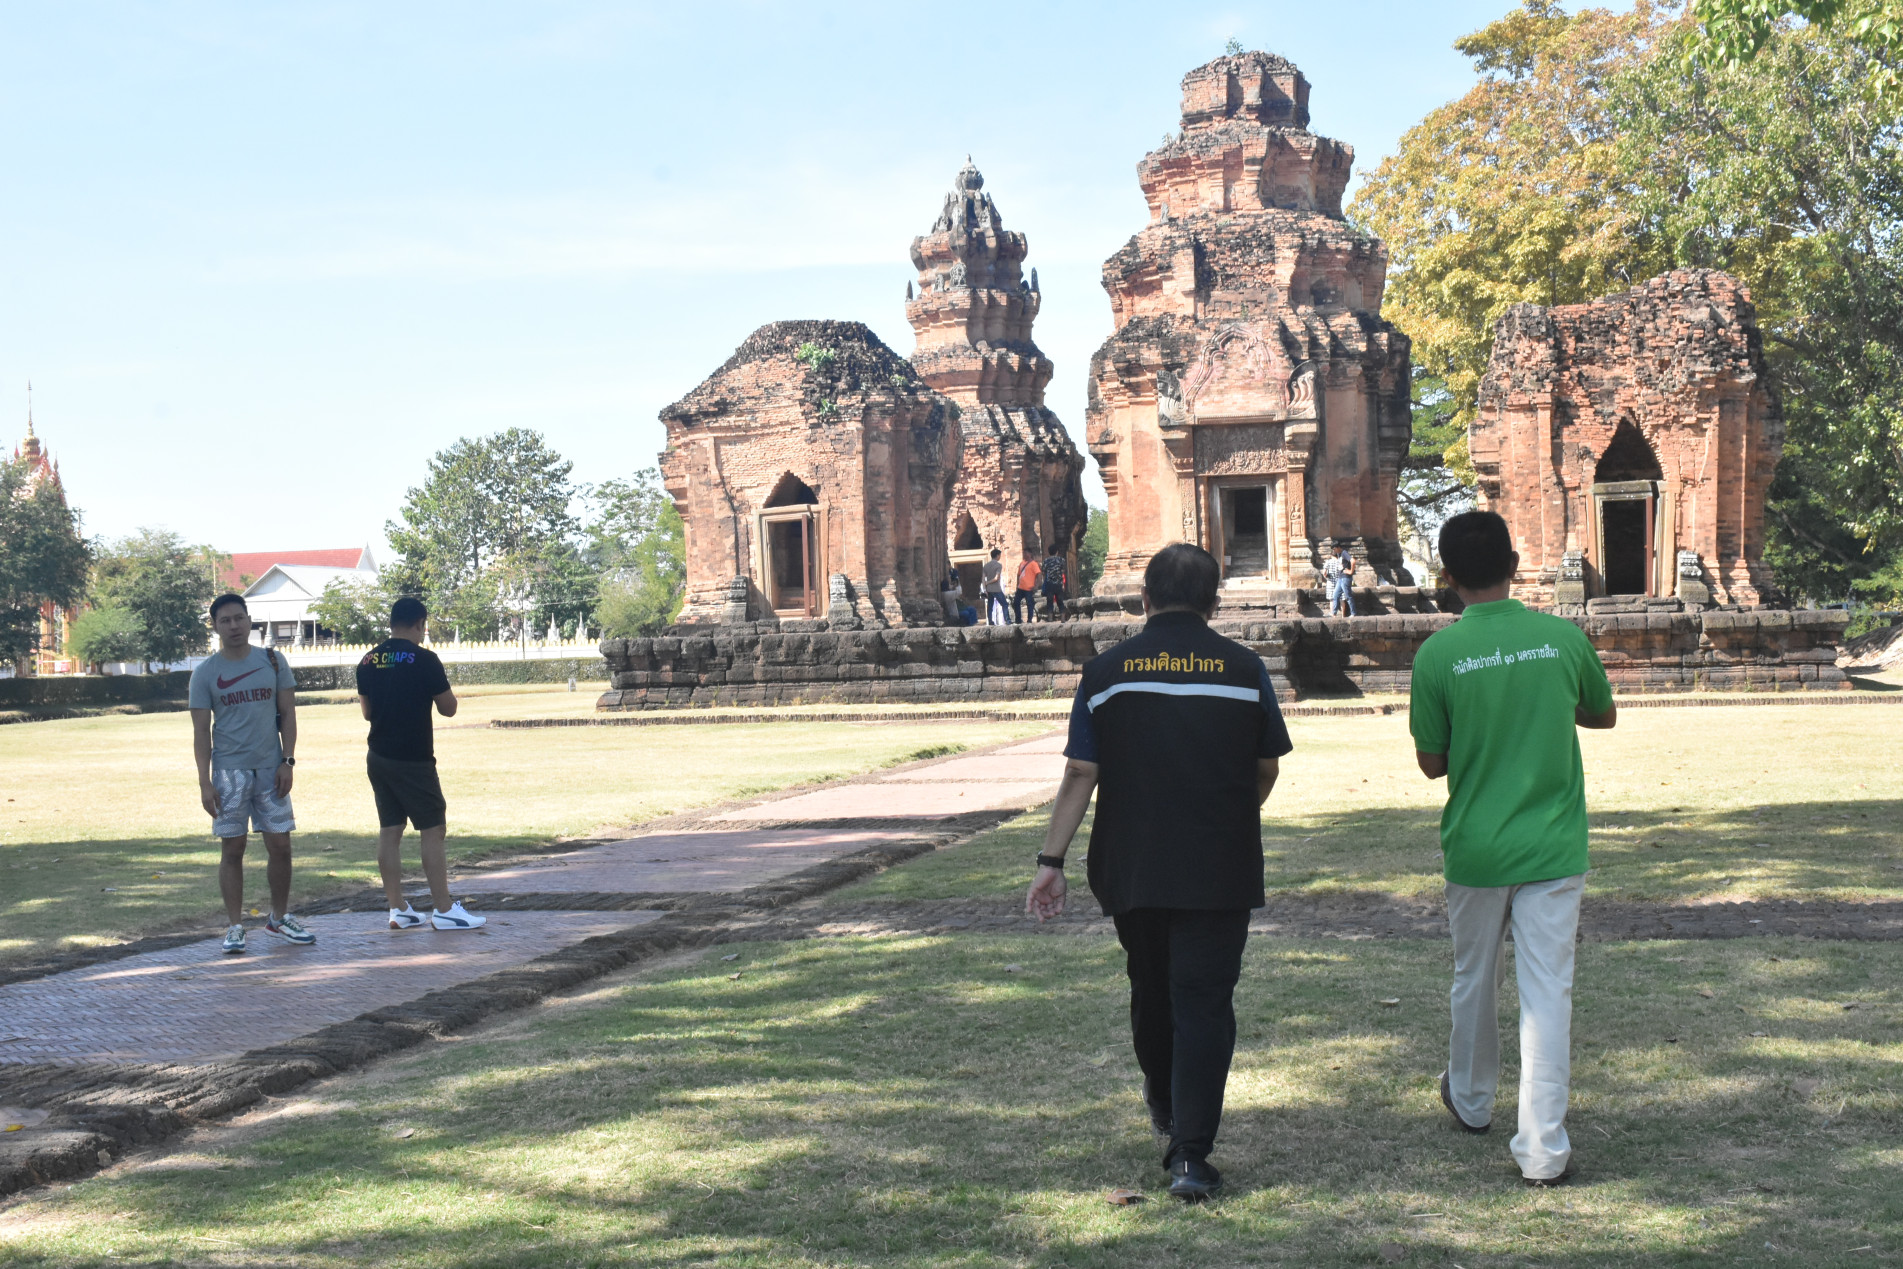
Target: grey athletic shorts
(406, 791)
(250, 796)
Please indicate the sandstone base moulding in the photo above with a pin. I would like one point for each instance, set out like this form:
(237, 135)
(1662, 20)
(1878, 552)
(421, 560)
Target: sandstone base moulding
(1761, 651)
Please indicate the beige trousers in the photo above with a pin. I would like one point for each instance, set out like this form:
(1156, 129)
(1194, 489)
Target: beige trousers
(1544, 917)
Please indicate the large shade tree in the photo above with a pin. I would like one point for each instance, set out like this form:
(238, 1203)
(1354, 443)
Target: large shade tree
(1600, 148)
(164, 585)
(488, 538)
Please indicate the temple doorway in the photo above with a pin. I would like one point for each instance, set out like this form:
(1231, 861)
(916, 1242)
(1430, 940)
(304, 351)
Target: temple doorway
(968, 556)
(1243, 516)
(1625, 496)
(790, 535)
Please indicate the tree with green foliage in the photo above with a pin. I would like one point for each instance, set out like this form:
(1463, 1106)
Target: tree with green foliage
(1092, 550)
(1598, 150)
(167, 585)
(1437, 478)
(110, 633)
(637, 543)
(354, 610)
(1732, 32)
(485, 529)
(43, 557)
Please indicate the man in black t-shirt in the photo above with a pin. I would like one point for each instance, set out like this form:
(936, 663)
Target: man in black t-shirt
(398, 682)
(1178, 733)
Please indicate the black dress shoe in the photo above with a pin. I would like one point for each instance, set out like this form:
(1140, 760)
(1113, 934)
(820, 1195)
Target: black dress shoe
(1447, 1100)
(1193, 1180)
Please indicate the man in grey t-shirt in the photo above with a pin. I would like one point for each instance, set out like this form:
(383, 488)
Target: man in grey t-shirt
(244, 738)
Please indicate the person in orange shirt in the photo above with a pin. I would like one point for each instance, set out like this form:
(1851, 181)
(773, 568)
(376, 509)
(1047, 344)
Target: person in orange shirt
(1026, 599)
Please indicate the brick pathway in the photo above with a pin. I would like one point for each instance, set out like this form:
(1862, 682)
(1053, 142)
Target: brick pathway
(195, 1004)
(1016, 777)
(721, 862)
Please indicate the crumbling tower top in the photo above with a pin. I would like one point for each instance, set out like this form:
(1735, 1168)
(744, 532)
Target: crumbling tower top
(974, 308)
(1245, 145)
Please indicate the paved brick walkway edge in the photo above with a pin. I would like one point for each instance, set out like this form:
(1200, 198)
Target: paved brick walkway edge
(99, 1110)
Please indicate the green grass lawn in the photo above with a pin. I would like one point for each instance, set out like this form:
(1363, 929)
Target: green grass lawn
(969, 1101)
(1757, 802)
(102, 837)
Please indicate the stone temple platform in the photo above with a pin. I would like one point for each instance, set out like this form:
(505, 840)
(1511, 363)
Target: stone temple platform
(1753, 650)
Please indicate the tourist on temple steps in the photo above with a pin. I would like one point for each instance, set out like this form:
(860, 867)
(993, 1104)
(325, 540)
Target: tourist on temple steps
(243, 700)
(1025, 600)
(1054, 577)
(1496, 699)
(948, 596)
(997, 613)
(1178, 733)
(398, 682)
(1339, 571)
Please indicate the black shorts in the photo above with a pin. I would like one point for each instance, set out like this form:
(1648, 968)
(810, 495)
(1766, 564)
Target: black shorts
(406, 791)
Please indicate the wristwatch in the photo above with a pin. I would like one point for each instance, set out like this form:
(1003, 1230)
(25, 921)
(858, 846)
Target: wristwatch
(290, 762)
(1051, 861)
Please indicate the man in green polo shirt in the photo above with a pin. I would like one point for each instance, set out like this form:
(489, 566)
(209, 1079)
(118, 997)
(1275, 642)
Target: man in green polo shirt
(1496, 698)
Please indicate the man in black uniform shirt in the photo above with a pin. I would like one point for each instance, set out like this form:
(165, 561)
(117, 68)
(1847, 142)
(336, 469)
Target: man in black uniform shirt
(1178, 732)
(398, 681)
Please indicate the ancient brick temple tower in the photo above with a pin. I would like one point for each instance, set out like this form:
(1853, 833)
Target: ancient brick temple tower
(1629, 443)
(1252, 399)
(812, 473)
(1020, 486)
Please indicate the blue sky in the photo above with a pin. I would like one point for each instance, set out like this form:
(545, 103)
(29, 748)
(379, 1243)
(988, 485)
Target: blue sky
(261, 260)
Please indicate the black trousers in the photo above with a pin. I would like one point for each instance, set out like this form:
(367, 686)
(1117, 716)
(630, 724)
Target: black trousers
(1183, 966)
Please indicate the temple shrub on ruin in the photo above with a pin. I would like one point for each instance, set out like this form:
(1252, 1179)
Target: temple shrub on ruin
(1630, 442)
(812, 472)
(1251, 400)
(1020, 487)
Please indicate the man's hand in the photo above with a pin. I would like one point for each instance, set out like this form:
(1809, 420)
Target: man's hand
(208, 798)
(1046, 899)
(283, 781)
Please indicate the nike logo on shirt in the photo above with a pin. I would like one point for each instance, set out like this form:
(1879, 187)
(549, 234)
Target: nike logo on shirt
(224, 682)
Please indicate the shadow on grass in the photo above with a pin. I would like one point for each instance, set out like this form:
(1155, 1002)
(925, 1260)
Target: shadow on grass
(920, 1102)
(1806, 850)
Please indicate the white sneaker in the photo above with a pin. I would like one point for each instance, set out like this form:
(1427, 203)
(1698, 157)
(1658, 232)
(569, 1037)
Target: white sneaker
(406, 918)
(234, 940)
(456, 919)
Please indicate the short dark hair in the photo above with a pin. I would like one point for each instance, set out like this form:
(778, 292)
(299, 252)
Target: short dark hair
(1182, 575)
(1477, 549)
(226, 600)
(995, 552)
(407, 611)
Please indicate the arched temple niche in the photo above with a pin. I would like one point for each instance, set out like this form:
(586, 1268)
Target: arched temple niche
(791, 492)
(968, 554)
(1631, 537)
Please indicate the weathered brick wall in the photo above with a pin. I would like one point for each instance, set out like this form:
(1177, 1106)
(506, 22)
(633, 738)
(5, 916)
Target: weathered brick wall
(1676, 366)
(875, 446)
(751, 665)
